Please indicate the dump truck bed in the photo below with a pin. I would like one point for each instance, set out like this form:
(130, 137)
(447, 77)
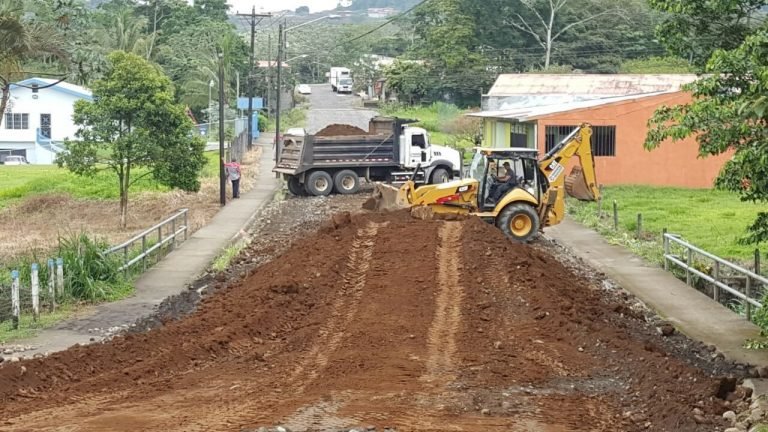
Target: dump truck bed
(299, 154)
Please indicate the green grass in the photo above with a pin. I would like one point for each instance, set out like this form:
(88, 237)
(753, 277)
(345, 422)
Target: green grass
(222, 261)
(29, 328)
(18, 182)
(710, 219)
(293, 118)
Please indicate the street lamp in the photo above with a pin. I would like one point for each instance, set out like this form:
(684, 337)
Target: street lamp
(294, 58)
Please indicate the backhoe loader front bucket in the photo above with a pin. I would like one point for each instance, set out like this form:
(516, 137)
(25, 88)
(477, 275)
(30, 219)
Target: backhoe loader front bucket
(576, 185)
(386, 198)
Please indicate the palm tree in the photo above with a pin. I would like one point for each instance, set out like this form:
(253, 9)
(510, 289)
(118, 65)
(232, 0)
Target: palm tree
(19, 41)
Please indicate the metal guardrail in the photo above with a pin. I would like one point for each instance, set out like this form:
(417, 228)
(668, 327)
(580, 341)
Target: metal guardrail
(687, 263)
(179, 224)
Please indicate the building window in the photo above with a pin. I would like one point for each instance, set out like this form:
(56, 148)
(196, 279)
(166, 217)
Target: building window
(16, 121)
(518, 136)
(603, 138)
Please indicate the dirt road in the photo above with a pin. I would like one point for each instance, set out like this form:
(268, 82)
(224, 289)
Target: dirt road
(386, 321)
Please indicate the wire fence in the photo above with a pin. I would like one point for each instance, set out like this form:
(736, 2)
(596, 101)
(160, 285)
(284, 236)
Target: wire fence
(86, 271)
(739, 286)
(33, 290)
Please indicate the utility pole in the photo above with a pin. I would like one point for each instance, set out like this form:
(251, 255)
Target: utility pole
(222, 177)
(253, 15)
(280, 48)
(269, 70)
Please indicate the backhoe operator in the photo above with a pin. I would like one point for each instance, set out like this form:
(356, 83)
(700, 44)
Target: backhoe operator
(504, 183)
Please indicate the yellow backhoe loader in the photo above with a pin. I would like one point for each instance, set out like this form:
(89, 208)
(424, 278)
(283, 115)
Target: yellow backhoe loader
(509, 187)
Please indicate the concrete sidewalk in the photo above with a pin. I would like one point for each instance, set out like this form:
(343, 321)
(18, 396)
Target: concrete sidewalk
(171, 275)
(690, 311)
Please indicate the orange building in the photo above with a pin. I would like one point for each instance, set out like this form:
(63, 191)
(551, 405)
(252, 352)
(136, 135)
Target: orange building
(619, 125)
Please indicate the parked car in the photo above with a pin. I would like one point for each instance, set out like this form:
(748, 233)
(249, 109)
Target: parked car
(304, 89)
(15, 160)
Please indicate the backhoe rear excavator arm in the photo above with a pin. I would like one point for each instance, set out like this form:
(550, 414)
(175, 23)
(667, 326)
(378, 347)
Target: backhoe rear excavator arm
(580, 184)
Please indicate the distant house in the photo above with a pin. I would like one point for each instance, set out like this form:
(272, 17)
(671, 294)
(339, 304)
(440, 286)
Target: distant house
(539, 110)
(39, 118)
(270, 64)
(381, 12)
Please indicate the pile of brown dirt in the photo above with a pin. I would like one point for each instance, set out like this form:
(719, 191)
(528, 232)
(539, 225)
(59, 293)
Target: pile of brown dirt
(340, 130)
(383, 320)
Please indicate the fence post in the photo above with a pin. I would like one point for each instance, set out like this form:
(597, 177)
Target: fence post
(15, 306)
(688, 262)
(35, 282)
(52, 283)
(615, 216)
(186, 223)
(716, 275)
(125, 261)
(757, 261)
(600, 203)
(748, 293)
(639, 225)
(159, 241)
(60, 276)
(665, 242)
(173, 231)
(144, 251)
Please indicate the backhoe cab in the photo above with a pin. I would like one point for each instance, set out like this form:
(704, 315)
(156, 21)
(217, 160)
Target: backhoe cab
(509, 187)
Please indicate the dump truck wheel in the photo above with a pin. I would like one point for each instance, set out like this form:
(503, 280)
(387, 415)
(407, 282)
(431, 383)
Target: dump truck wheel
(295, 187)
(319, 183)
(346, 182)
(519, 222)
(440, 175)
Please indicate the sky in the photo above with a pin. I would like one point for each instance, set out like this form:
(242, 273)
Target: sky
(274, 5)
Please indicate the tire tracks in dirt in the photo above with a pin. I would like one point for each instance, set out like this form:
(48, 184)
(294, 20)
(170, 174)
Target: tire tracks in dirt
(441, 342)
(331, 334)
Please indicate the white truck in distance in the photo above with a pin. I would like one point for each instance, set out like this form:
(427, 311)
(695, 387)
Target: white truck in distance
(341, 80)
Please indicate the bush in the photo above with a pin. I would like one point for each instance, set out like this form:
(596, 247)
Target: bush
(89, 274)
(263, 123)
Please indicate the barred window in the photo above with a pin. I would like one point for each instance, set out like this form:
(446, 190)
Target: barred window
(603, 138)
(16, 121)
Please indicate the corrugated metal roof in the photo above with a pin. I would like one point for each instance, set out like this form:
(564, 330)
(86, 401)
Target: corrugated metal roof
(588, 84)
(531, 113)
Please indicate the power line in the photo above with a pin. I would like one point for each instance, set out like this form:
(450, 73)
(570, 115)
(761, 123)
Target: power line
(389, 21)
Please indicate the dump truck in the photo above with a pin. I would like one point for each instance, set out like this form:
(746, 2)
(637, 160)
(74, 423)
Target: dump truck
(511, 188)
(337, 157)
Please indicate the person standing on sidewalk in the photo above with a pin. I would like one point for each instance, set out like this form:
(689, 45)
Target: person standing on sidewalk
(233, 174)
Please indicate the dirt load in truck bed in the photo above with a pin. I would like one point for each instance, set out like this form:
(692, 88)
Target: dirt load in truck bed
(340, 130)
(380, 320)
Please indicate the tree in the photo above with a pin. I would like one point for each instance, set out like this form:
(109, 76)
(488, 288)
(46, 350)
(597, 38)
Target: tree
(542, 19)
(133, 124)
(729, 112)
(695, 29)
(21, 40)
(656, 65)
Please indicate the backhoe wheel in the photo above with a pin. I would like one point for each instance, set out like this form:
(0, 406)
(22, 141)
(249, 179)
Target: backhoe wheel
(440, 175)
(295, 187)
(319, 183)
(519, 222)
(346, 182)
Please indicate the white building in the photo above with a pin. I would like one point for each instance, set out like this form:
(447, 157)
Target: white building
(39, 118)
